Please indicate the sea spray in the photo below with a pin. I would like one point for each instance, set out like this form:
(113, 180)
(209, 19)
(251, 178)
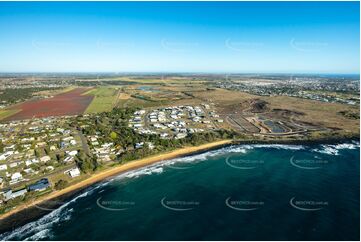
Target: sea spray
(334, 149)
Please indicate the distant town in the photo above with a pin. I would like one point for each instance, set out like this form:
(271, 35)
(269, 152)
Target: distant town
(333, 90)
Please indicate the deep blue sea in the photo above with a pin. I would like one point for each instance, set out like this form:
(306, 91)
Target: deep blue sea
(244, 192)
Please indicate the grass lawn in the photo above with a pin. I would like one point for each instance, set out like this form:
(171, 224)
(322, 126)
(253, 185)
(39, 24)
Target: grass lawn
(104, 100)
(7, 113)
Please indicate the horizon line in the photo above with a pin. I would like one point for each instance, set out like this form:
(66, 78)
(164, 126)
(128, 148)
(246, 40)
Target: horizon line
(178, 72)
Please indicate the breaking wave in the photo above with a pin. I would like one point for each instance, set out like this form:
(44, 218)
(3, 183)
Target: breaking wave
(241, 149)
(276, 146)
(185, 162)
(41, 228)
(335, 149)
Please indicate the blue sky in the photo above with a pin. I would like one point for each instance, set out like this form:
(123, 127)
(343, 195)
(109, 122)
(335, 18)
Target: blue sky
(268, 37)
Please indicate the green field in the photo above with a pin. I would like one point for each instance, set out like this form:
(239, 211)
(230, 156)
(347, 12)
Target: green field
(104, 100)
(7, 113)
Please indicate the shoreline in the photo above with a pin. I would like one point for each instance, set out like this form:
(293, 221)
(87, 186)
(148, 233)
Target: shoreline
(9, 220)
(323, 141)
(30, 211)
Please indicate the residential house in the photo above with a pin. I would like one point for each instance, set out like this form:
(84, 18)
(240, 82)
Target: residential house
(40, 185)
(74, 172)
(45, 158)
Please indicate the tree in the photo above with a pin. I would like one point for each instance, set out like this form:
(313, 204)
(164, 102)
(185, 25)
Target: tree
(61, 184)
(47, 150)
(37, 153)
(113, 135)
(85, 163)
(60, 156)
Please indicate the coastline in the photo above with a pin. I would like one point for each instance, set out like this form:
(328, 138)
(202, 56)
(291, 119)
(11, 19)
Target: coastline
(30, 211)
(9, 220)
(324, 141)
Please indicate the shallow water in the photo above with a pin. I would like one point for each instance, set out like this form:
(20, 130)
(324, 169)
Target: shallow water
(244, 192)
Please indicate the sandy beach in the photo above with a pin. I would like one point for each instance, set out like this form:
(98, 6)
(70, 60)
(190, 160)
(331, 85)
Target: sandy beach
(97, 177)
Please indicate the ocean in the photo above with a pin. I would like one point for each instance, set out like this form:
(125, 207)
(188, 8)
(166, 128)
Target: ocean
(240, 192)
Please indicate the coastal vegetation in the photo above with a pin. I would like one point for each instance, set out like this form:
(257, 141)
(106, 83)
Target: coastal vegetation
(61, 184)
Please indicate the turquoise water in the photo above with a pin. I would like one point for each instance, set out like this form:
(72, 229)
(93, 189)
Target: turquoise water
(245, 192)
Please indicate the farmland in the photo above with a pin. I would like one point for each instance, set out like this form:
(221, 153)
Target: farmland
(105, 98)
(68, 103)
(246, 112)
(7, 113)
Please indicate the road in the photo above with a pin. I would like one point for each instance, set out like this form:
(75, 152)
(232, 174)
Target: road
(84, 143)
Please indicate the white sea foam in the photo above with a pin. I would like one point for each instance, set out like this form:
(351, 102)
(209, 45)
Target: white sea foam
(241, 149)
(334, 149)
(143, 171)
(45, 233)
(41, 228)
(186, 161)
(279, 146)
(284, 147)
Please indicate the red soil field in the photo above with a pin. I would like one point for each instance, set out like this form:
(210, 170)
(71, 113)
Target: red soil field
(68, 103)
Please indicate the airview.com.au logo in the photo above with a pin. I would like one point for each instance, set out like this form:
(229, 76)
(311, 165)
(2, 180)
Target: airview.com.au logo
(243, 164)
(114, 205)
(243, 205)
(179, 205)
(308, 205)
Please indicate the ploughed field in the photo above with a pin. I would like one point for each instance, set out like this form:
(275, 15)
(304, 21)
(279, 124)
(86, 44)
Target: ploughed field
(69, 103)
